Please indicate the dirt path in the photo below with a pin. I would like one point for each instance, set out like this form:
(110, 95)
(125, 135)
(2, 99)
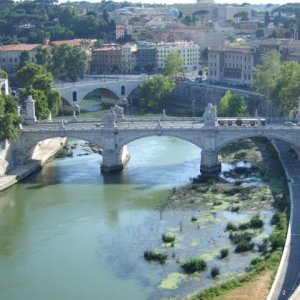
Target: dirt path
(254, 290)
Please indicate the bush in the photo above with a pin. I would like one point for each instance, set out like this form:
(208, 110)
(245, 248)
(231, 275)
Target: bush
(244, 226)
(155, 256)
(244, 246)
(277, 240)
(234, 208)
(217, 203)
(224, 253)
(194, 265)
(242, 237)
(231, 227)
(256, 222)
(168, 237)
(194, 219)
(215, 271)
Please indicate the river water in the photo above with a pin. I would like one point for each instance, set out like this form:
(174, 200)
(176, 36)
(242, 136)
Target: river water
(70, 232)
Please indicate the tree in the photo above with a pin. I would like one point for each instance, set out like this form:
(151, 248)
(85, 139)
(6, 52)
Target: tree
(25, 75)
(67, 16)
(68, 63)
(287, 90)
(267, 73)
(155, 89)
(232, 106)
(43, 56)
(259, 33)
(243, 15)
(24, 59)
(267, 18)
(173, 64)
(3, 74)
(37, 77)
(9, 121)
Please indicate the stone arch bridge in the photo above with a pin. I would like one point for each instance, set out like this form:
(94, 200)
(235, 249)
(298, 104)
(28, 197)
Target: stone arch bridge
(118, 86)
(113, 136)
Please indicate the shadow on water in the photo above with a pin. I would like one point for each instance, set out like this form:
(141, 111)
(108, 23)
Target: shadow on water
(90, 174)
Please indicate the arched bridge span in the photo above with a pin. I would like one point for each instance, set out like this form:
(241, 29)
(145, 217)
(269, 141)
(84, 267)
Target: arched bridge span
(112, 138)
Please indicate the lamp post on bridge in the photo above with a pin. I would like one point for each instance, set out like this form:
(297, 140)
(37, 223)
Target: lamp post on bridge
(193, 109)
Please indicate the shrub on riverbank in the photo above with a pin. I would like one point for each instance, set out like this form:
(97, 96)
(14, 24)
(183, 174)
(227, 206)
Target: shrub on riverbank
(224, 253)
(244, 246)
(168, 237)
(155, 256)
(215, 271)
(194, 265)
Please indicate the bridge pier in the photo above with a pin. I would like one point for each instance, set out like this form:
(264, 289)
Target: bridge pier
(114, 159)
(210, 162)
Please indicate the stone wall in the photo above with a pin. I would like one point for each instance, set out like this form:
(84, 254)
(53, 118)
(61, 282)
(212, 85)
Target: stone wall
(205, 93)
(4, 157)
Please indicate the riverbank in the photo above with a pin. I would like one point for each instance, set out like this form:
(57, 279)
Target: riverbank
(238, 190)
(41, 156)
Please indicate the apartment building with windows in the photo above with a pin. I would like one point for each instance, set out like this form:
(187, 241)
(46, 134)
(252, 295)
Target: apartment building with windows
(189, 51)
(233, 65)
(10, 55)
(112, 58)
(146, 56)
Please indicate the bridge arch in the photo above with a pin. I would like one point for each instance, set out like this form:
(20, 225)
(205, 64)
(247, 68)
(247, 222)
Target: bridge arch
(285, 138)
(129, 139)
(35, 139)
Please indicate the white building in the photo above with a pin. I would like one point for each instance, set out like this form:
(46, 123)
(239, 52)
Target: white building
(4, 89)
(189, 51)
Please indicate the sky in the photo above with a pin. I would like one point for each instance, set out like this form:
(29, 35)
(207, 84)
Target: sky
(193, 1)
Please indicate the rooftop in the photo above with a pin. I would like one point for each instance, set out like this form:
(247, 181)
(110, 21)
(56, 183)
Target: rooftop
(19, 47)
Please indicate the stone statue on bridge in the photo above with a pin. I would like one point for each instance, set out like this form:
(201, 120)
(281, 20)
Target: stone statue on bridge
(210, 115)
(118, 112)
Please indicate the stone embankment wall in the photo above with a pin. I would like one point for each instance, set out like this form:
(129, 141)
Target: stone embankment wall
(11, 171)
(203, 94)
(5, 157)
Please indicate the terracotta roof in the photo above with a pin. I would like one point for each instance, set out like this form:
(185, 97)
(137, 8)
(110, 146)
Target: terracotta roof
(19, 47)
(75, 42)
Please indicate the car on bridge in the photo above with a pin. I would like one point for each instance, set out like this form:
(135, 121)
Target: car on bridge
(289, 124)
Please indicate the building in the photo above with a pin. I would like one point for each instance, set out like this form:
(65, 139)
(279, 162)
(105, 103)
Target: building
(227, 12)
(189, 51)
(146, 56)
(113, 59)
(120, 31)
(10, 55)
(233, 65)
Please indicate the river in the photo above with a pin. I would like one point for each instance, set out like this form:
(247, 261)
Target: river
(70, 232)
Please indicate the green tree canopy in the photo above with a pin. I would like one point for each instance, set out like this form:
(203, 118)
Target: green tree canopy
(9, 121)
(173, 64)
(287, 90)
(26, 75)
(37, 77)
(68, 63)
(43, 56)
(232, 106)
(3, 74)
(24, 59)
(155, 90)
(267, 73)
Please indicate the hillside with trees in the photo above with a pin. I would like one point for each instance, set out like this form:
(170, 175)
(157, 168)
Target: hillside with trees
(32, 21)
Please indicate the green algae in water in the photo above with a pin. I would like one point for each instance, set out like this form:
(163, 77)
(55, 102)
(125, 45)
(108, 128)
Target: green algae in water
(194, 243)
(172, 281)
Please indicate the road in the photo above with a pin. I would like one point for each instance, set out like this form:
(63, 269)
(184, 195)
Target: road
(289, 275)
